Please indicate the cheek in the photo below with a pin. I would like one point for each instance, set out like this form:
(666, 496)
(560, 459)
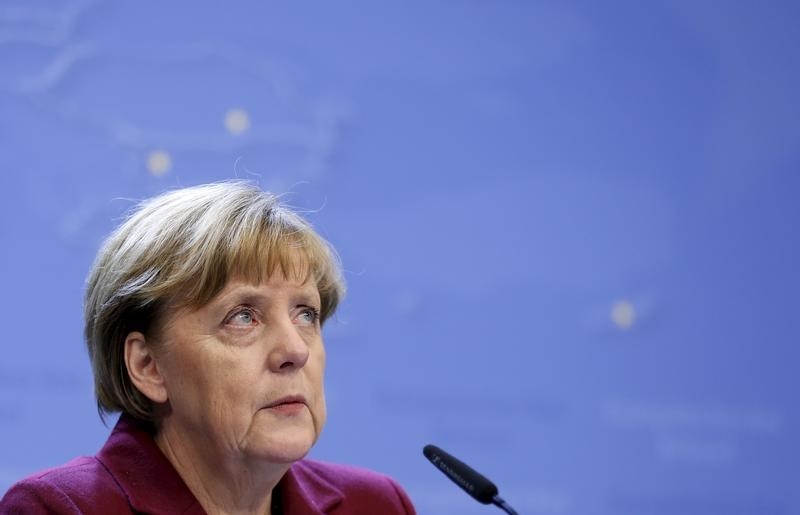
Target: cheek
(322, 418)
(199, 377)
(187, 381)
(319, 373)
(318, 380)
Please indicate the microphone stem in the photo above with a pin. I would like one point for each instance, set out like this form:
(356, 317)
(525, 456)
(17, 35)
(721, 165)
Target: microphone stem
(499, 502)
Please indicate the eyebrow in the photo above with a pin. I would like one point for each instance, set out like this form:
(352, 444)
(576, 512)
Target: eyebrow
(250, 295)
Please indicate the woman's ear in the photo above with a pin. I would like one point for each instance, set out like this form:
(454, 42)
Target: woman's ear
(143, 368)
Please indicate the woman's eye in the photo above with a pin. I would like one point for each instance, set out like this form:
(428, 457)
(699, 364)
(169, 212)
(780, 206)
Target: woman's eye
(308, 316)
(242, 318)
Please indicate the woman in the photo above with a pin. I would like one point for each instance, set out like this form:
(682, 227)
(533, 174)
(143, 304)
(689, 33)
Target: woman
(203, 317)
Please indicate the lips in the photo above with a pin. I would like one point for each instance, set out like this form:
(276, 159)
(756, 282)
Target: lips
(288, 401)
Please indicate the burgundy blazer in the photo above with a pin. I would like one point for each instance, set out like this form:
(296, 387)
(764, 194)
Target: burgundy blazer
(131, 475)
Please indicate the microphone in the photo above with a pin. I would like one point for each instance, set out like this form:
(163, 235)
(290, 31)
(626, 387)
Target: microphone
(480, 488)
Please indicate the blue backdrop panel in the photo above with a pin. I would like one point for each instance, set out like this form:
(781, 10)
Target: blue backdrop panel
(569, 230)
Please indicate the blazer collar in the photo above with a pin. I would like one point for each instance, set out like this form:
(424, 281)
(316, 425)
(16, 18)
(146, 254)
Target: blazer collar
(304, 490)
(148, 479)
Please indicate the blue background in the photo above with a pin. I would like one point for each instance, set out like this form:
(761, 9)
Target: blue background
(569, 228)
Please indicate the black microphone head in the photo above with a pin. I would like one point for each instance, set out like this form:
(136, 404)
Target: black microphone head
(480, 488)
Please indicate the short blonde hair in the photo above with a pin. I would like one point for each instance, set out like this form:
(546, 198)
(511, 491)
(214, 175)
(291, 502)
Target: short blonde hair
(179, 249)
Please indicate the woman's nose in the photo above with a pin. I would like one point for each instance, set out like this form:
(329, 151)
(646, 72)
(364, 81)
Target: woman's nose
(289, 350)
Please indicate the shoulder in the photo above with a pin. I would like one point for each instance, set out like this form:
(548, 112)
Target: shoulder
(361, 489)
(81, 486)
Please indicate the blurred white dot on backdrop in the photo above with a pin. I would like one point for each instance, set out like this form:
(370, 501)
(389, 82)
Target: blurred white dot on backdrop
(159, 162)
(237, 121)
(623, 314)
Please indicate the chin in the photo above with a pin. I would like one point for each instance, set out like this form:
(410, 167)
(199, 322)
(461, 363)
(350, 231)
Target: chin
(281, 439)
(282, 450)
(281, 444)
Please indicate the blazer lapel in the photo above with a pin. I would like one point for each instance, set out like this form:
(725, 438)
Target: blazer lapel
(148, 479)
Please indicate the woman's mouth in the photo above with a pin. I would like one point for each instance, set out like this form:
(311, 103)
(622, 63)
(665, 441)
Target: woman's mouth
(289, 405)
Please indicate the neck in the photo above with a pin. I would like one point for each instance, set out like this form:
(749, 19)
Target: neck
(221, 484)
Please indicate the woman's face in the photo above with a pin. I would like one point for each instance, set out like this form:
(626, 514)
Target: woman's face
(244, 374)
